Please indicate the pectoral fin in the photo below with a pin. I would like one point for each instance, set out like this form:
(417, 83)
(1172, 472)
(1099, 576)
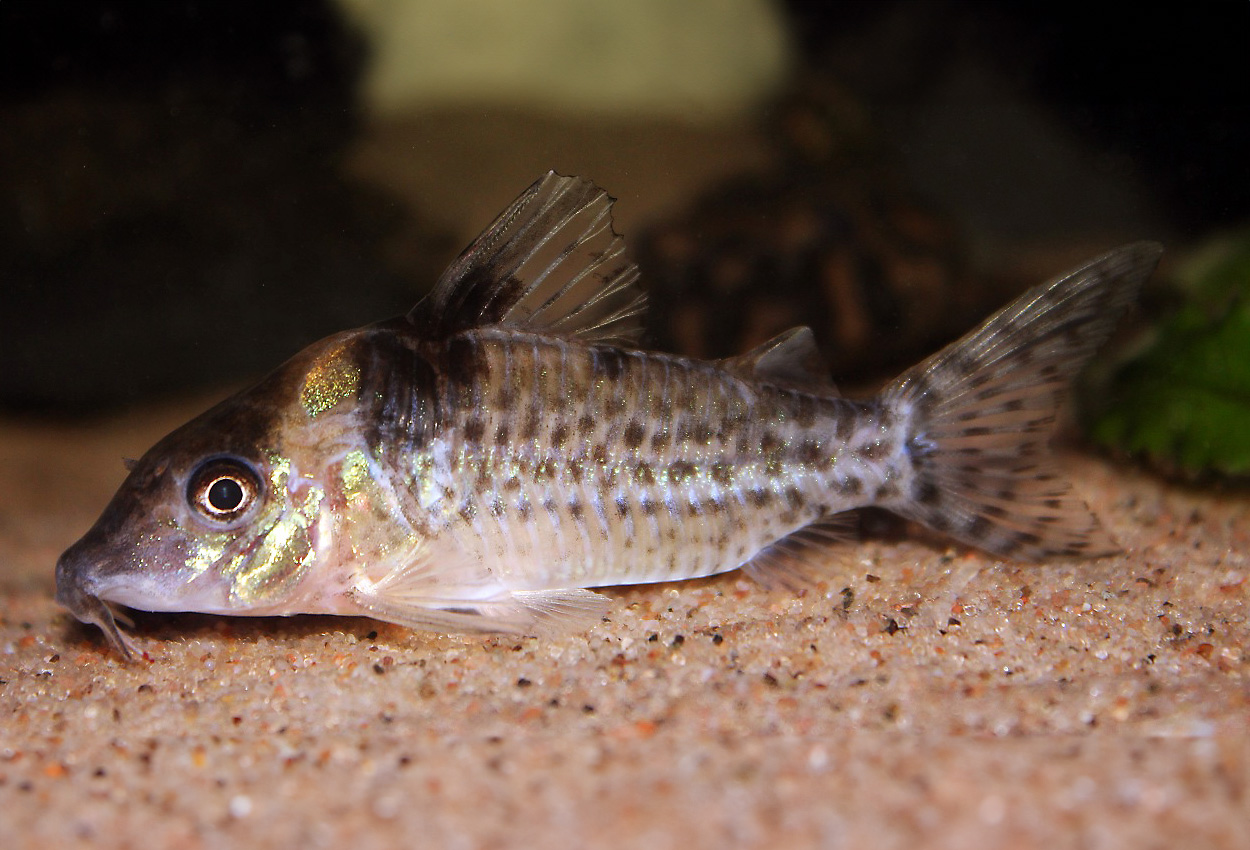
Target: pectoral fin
(539, 613)
(454, 593)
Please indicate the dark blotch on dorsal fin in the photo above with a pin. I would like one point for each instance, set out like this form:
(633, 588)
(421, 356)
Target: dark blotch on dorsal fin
(790, 359)
(551, 263)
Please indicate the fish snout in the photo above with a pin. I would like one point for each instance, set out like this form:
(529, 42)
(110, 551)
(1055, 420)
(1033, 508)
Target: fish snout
(72, 579)
(75, 586)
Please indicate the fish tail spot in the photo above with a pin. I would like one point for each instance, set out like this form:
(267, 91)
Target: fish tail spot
(980, 412)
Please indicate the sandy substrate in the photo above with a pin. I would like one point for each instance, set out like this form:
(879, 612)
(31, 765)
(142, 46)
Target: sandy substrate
(925, 697)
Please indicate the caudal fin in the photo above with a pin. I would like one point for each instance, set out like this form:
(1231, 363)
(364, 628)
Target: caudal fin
(981, 412)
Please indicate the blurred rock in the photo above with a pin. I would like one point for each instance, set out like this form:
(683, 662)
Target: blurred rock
(174, 211)
(697, 59)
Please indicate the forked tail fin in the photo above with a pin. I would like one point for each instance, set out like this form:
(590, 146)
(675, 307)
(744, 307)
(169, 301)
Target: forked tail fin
(981, 412)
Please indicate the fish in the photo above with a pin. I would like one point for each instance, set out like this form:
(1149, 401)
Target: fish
(482, 462)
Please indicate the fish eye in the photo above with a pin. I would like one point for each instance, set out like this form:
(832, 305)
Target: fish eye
(223, 489)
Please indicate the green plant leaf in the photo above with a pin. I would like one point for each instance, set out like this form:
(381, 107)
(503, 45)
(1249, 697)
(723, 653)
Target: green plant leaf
(1183, 401)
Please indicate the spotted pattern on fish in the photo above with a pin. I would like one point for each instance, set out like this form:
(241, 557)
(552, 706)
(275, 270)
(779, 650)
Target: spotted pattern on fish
(481, 462)
(652, 490)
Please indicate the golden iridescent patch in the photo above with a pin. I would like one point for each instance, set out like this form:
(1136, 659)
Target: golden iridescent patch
(333, 378)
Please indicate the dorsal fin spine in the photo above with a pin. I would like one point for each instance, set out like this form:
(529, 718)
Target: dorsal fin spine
(551, 263)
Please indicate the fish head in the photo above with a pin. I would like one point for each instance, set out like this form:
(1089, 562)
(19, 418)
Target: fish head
(225, 514)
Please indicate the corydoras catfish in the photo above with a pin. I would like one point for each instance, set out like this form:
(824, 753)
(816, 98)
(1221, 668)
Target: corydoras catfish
(479, 463)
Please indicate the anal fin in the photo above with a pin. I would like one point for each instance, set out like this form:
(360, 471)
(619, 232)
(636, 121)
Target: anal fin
(803, 557)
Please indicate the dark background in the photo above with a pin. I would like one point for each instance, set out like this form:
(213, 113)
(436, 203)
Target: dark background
(175, 211)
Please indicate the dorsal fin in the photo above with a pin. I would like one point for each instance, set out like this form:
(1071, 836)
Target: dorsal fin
(551, 263)
(790, 359)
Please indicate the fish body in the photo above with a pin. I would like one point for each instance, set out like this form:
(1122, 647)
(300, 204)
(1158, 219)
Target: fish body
(481, 462)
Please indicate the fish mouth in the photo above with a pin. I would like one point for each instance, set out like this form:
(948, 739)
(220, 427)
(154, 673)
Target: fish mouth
(89, 608)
